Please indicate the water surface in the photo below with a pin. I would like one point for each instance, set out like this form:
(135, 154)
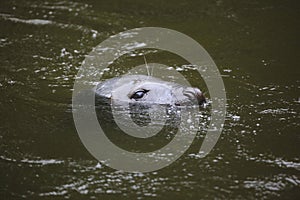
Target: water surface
(255, 44)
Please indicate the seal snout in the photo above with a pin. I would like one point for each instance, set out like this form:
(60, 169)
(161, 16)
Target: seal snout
(195, 92)
(200, 96)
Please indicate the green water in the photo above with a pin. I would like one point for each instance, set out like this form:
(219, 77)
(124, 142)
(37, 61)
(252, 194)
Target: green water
(255, 45)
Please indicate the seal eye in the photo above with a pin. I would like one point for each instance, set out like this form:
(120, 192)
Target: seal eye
(139, 94)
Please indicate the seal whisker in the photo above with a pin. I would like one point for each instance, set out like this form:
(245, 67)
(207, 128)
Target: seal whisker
(152, 70)
(147, 67)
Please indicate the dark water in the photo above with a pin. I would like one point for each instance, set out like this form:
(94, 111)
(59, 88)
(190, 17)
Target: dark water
(256, 46)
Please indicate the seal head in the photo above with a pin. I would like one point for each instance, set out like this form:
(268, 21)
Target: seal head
(148, 89)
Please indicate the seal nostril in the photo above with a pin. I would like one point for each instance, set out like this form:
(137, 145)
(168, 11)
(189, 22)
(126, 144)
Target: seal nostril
(200, 96)
(193, 93)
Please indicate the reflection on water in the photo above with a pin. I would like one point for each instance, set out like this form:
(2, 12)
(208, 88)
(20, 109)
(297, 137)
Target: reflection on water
(255, 45)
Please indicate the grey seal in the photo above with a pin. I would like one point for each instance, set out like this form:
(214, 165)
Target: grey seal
(152, 104)
(147, 90)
